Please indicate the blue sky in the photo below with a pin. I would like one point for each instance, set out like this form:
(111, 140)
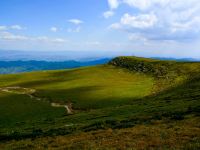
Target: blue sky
(166, 28)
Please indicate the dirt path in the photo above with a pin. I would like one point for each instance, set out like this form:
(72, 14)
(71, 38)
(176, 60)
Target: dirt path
(67, 107)
(29, 92)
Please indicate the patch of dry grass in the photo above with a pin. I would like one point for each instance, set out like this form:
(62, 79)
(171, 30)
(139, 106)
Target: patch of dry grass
(183, 134)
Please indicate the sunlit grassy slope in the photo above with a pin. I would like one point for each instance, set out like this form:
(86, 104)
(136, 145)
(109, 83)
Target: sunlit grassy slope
(125, 93)
(86, 88)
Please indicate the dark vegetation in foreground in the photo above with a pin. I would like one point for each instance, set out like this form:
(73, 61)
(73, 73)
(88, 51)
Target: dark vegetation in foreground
(160, 134)
(171, 105)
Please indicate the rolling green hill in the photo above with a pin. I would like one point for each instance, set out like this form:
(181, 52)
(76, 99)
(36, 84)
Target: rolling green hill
(148, 103)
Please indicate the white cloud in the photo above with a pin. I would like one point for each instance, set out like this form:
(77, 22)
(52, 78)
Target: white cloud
(141, 4)
(176, 20)
(59, 40)
(113, 4)
(135, 37)
(148, 4)
(115, 26)
(49, 40)
(75, 21)
(3, 28)
(12, 27)
(7, 36)
(141, 21)
(12, 37)
(190, 25)
(54, 29)
(16, 27)
(108, 14)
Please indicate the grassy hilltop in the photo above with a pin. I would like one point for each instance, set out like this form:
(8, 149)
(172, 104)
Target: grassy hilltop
(130, 102)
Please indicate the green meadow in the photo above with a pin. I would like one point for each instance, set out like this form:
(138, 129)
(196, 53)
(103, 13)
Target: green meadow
(127, 95)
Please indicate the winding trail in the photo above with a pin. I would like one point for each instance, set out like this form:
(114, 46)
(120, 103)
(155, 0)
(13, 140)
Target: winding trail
(30, 92)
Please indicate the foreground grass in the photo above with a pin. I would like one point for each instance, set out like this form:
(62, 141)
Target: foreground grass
(163, 134)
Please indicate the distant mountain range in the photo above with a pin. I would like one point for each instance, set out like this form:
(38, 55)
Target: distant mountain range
(177, 59)
(12, 61)
(58, 56)
(10, 67)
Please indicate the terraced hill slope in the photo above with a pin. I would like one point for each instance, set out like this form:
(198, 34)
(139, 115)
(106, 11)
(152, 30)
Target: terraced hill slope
(127, 95)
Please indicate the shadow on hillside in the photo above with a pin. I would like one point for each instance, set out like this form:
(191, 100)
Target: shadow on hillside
(182, 99)
(188, 89)
(83, 98)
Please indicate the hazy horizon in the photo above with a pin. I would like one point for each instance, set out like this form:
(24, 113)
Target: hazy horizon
(15, 55)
